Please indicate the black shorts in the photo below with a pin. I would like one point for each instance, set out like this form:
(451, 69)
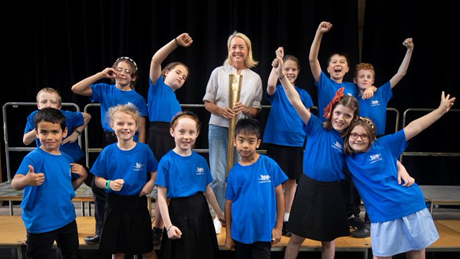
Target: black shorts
(290, 159)
(318, 211)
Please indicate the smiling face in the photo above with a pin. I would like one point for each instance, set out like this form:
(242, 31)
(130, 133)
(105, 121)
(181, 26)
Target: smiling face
(364, 79)
(176, 76)
(124, 125)
(338, 67)
(359, 139)
(124, 75)
(238, 51)
(342, 116)
(184, 132)
(50, 135)
(291, 70)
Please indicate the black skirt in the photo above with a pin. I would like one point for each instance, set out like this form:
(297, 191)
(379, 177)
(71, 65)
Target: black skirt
(318, 211)
(160, 140)
(127, 226)
(191, 215)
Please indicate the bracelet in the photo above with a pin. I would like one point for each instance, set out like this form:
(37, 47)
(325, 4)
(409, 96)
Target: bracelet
(107, 185)
(79, 132)
(177, 43)
(282, 77)
(167, 230)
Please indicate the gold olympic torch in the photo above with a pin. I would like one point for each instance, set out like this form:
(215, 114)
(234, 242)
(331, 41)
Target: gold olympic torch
(234, 88)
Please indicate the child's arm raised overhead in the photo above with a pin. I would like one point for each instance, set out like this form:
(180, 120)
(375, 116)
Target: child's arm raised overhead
(315, 66)
(291, 93)
(84, 86)
(273, 78)
(409, 44)
(183, 40)
(20, 181)
(420, 124)
(172, 231)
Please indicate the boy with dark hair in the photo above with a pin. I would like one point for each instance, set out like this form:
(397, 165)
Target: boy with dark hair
(48, 211)
(255, 201)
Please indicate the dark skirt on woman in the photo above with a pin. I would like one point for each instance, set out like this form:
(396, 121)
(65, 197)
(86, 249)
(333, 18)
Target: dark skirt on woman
(127, 226)
(160, 140)
(318, 211)
(191, 215)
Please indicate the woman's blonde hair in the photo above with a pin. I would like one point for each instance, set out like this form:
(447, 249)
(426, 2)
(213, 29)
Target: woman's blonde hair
(249, 61)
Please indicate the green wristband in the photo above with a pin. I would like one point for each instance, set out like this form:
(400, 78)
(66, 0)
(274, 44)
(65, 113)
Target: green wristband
(107, 185)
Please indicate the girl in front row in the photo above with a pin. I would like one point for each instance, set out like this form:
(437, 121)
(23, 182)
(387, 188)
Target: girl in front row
(184, 177)
(318, 211)
(127, 171)
(400, 221)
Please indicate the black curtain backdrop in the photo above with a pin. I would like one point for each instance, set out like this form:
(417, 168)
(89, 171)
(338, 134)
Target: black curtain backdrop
(433, 25)
(58, 43)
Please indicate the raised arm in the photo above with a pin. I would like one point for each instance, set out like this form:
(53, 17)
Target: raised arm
(183, 40)
(409, 44)
(78, 130)
(291, 93)
(273, 78)
(84, 86)
(29, 137)
(314, 49)
(420, 124)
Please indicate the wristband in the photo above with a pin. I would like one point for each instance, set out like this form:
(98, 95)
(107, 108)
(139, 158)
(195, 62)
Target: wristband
(282, 77)
(107, 185)
(79, 132)
(167, 230)
(177, 43)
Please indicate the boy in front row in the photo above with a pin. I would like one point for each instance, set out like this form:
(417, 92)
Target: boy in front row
(255, 201)
(49, 178)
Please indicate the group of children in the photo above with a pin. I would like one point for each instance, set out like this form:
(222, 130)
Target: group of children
(258, 210)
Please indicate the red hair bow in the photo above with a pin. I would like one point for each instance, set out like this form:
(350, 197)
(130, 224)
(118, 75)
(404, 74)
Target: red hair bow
(338, 95)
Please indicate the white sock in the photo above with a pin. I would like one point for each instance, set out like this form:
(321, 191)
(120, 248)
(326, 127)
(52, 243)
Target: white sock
(286, 216)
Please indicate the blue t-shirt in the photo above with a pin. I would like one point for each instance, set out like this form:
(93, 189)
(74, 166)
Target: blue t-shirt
(376, 177)
(49, 206)
(133, 166)
(252, 192)
(109, 96)
(375, 108)
(73, 121)
(327, 89)
(324, 157)
(163, 103)
(183, 176)
(284, 125)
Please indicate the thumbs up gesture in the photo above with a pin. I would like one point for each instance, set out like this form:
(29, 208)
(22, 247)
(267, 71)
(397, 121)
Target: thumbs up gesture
(34, 179)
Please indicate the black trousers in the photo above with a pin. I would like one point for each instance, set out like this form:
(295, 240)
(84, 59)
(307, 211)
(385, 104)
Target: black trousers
(256, 250)
(40, 245)
(351, 195)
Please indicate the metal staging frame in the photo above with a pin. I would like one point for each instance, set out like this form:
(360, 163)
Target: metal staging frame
(435, 194)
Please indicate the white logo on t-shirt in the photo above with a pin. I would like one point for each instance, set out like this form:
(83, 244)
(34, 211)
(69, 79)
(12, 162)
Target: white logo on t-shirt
(375, 103)
(264, 178)
(138, 167)
(199, 170)
(375, 158)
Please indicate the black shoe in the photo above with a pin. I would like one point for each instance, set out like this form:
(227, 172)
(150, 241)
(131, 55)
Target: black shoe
(355, 223)
(362, 232)
(285, 232)
(92, 240)
(156, 234)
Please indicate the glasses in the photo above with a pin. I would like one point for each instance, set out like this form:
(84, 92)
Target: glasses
(362, 136)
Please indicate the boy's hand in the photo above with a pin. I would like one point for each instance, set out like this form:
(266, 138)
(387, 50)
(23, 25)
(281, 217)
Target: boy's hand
(116, 185)
(34, 179)
(78, 169)
(276, 235)
(369, 92)
(446, 103)
(278, 65)
(280, 53)
(324, 27)
(184, 40)
(72, 138)
(230, 244)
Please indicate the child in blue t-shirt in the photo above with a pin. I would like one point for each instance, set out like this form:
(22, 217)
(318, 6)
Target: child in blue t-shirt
(283, 136)
(127, 172)
(125, 74)
(375, 107)
(318, 211)
(163, 106)
(184, 178)
(46, 175)
(400, 220)
(255, 198)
